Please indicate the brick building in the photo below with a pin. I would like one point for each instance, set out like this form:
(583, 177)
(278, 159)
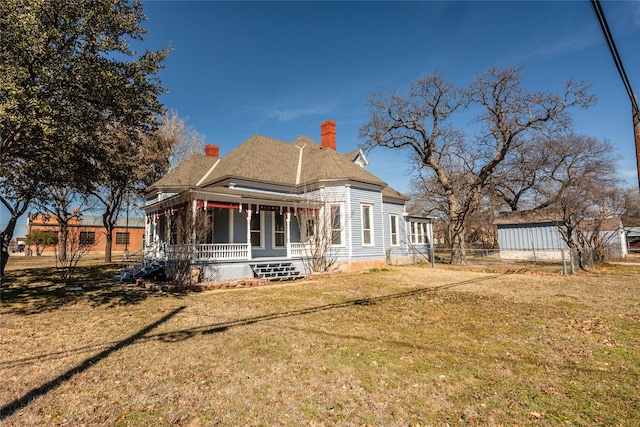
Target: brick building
(126, 234)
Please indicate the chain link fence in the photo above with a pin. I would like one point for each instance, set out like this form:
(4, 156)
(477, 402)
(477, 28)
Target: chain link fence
(562, 261)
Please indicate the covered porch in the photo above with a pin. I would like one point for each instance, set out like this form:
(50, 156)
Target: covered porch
(214, 230)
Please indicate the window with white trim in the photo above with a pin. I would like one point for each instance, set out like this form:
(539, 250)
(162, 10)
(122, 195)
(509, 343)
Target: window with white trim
(394, 229)
(336, 225)
(367, 224)
(256, 230)
(418, 232)
(278, 230)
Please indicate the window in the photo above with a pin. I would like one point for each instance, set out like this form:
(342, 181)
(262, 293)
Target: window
(394, 229)
(418, 233)
(412, 231)
(278, 230)
(336, 225)
(256, 230)
(310, 230)
(367, 221)
(122, 238)
(87, 237)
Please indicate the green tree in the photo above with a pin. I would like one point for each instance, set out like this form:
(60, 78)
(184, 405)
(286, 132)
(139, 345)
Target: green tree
(41, 239)
(67, 71)
(130, 167)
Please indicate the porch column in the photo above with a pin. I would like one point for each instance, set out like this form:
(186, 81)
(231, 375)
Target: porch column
(194, 238)
(249, 234)
(287, 217)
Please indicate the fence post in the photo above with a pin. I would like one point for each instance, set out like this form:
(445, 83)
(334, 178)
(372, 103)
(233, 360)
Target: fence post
(564, 264)
(433, 257)
(573, 269)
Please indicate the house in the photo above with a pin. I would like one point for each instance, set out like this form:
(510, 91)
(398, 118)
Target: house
(633, 237)
(128, 234)
(269, 207)
(534, 235)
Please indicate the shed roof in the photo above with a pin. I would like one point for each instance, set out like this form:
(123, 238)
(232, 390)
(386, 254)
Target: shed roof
(539, 216)
(545, 216)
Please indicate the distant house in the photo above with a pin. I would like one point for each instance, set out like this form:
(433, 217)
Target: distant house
(127, 234)
(534, 235)
(633, 237)
(269, 202)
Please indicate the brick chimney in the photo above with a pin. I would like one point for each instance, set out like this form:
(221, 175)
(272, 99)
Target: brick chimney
(212, 150)
(328, 134)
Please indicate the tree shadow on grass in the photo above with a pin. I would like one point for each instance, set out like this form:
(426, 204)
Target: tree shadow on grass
(11, 407)
(40, 290)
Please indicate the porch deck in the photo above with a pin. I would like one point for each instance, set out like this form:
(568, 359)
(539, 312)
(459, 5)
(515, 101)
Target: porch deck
(221, 252)
(232, 261)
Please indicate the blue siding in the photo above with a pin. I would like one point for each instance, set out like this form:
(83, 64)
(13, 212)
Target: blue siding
(360, 196)
(239, 226)
(395, 209)
(295, 229)
(338, 195)
(221, 225)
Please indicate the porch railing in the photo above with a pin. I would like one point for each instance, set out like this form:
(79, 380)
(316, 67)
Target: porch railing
(298, 250)
(223, 251)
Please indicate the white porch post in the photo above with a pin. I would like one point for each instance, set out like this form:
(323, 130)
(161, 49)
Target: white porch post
(288, 233)
(249, 234)
(194, 237)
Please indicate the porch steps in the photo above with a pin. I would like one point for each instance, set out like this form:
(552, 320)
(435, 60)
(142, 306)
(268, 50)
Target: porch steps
(145, 270)
(273, 271)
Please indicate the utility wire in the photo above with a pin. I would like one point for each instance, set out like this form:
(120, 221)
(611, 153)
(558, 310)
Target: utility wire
(602, 21)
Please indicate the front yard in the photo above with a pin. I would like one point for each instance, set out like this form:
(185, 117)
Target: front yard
(399, 346)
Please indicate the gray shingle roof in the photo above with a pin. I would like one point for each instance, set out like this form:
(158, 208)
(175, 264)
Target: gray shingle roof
(96, 221)
(268, 160)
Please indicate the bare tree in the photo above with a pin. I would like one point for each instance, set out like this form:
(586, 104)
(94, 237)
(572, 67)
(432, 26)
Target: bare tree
(580, 214)
(69, 252)
(461, 165)
(181, 140)
(320, 229)
(67, 206)
(187, 227)
(536, 174)
(630, 207)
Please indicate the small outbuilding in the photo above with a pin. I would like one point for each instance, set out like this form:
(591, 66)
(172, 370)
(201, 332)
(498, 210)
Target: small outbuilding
(534, 235)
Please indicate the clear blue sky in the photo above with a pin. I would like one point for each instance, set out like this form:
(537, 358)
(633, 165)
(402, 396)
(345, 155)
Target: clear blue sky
(281, 68)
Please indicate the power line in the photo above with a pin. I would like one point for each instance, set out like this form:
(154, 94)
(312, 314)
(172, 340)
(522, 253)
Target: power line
(602, 21)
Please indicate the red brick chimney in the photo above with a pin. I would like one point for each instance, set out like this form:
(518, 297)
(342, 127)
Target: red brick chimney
(328, 134)
(212, 150)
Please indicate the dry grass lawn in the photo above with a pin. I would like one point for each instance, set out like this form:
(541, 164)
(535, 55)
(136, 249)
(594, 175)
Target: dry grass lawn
(393, 347)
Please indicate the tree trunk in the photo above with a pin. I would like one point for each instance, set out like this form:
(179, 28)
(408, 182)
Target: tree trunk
(108, 245)
(7, 234)
(6, 237)
(62, 243)
(458, 250)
